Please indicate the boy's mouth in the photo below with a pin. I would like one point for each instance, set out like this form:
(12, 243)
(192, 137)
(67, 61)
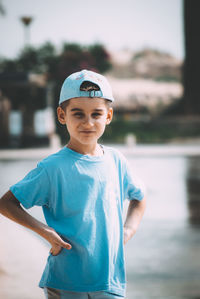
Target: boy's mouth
(87, 132)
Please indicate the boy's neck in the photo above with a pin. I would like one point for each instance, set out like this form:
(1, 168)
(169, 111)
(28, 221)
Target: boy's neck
(92, 150)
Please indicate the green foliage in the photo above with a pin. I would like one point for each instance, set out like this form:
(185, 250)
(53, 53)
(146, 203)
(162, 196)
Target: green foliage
(8, 65)
(47, 58)
(72, 47)
(167, 78)
(44, 59)
(28, 60)
(101, 57)
(33, 60)
(75, 57)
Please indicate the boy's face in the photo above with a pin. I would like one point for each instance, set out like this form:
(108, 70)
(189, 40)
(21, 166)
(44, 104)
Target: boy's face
(85, 119)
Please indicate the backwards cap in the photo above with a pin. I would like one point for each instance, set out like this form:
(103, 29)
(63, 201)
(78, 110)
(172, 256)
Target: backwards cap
(71, 86)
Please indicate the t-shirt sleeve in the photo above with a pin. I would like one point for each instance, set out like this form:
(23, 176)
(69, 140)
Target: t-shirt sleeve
(133, 186)
(33, 189)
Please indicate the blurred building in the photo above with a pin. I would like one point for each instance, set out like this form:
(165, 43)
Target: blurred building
(26, 116)
(147, 81)
(141, 95)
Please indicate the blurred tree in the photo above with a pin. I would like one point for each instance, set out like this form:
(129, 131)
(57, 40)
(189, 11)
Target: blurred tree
(41, 60)
(48, 59)
(28, 60)
(8, 66)
(73, 57)
(72, 47)
(191, 99)
(69, 60)
(101, 58)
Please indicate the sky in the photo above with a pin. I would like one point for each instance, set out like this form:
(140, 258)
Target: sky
(117, 24)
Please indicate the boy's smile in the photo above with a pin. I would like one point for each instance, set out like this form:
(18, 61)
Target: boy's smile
(85, 119)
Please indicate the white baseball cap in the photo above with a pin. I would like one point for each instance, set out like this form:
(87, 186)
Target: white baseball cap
(71, 86)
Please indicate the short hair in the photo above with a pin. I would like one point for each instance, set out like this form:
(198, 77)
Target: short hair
(89, 86)
(86, 86)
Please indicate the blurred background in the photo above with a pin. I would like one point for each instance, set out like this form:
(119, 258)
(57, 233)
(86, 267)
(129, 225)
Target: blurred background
(149, 51)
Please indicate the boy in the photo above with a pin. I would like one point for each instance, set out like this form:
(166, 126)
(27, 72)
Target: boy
(81, 189)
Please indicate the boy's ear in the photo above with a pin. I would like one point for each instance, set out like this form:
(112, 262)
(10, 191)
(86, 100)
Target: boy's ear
(109, 116)
(61, 116)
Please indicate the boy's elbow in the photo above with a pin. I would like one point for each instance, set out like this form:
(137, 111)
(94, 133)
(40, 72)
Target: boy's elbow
(143, 203)
(140, 205)
(7, 200)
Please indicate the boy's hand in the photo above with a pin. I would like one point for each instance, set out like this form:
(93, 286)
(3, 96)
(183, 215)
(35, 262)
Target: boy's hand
(11, 208)
(56, 242)
(134, 215)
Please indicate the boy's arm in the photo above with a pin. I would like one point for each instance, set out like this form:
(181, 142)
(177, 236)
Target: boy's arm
(10, 207)
(134, 215)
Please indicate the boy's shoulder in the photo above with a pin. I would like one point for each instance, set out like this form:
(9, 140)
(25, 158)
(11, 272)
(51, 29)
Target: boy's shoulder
(115, 153)
(113, 150)
(53, 160)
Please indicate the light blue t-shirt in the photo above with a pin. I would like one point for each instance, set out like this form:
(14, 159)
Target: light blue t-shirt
(82, 199)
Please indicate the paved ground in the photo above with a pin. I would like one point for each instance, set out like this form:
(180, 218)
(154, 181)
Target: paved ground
(22, 260)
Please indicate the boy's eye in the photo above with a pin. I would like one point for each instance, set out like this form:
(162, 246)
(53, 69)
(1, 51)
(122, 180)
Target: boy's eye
(96, 114)
(81, 115)
(78, 114)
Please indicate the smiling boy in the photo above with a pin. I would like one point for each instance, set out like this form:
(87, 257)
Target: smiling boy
(85, 120)
(81, 189)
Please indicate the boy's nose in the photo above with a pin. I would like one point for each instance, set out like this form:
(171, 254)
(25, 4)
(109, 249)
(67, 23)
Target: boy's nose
(88, 122)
